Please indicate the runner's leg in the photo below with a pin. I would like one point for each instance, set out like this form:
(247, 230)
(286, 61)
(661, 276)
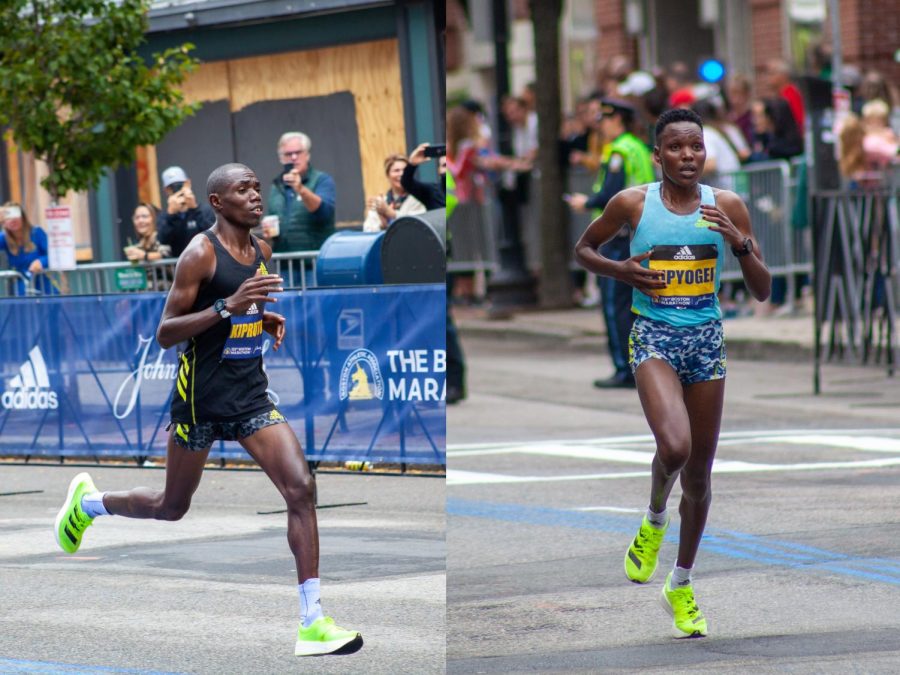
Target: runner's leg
(184, 468)
(277, 451)
(704, 402)
(662, 398)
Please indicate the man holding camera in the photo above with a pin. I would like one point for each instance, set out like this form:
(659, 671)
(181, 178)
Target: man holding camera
(302, 198)
(183, 217)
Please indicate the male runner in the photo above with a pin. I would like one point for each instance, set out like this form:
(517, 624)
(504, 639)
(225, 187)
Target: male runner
(217, 304)
(677, 347)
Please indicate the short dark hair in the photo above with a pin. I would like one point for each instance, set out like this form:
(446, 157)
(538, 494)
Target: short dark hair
(220, 178)
(676, 115)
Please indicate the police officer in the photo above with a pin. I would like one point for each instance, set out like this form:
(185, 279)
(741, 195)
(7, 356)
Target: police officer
(626, 162)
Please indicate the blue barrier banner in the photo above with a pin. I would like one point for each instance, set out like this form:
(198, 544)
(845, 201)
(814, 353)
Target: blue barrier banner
(360, 375)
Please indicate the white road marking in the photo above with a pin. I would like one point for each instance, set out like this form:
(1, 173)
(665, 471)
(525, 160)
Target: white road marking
(600, 450)
(839, 437)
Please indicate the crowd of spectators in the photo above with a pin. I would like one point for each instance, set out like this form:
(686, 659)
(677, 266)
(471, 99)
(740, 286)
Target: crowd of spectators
(746, 121)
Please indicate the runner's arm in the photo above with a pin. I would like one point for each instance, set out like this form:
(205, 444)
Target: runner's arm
(732, 220)
(621, 210)
(196, 265)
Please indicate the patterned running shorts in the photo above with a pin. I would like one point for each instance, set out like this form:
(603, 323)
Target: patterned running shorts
(202, 435)
(696, 353)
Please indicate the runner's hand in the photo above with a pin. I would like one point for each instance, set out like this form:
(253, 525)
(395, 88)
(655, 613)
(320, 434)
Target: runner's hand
(273, 324)
(722, 224)
(642, 278)
(256, 290)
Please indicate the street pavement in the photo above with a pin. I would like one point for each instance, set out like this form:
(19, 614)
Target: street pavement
(216, 592)
(799, 570)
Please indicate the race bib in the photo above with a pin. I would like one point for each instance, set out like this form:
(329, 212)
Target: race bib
(245, 340)
(690, 275)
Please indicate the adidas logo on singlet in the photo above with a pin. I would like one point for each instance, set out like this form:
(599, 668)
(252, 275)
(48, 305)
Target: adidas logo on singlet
(684, 253)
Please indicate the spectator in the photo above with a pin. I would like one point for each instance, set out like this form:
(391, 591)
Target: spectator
(629, 163)
(880, 142)
(723, 156)
(432, 195)
(852, 159)
(302, 197)
(148, 246)
(396, 202)
(874, 86)
(738, 94)
(468, 159)
(184, 217)
(26, 248)
(776, 135)
(778, 76)
(523, 127)
(591, 157)
(463, 154)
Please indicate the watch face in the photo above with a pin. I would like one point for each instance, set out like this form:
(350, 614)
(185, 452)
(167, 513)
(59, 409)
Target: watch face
(220, 305)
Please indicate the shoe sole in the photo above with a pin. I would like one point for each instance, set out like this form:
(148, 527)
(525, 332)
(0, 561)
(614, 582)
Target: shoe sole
(677, 633)
(338, 647)
(73, 485)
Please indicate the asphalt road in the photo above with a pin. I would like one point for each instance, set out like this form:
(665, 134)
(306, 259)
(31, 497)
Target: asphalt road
(216, 592)
(799, 570)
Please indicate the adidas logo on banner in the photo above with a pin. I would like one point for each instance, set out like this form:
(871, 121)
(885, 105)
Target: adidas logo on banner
(684, 253)
(30, 389)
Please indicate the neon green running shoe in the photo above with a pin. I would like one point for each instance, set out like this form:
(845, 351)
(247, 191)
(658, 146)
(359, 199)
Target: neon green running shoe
(71, 521)
(642, 555)
(687, 619)
(322, 636)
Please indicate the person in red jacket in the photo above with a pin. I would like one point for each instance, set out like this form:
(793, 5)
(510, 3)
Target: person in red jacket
(778, 76)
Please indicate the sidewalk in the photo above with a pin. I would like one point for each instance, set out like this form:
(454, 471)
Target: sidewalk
(774, 338)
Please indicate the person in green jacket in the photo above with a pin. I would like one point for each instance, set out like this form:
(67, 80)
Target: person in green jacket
(302, 197)
(626, 162)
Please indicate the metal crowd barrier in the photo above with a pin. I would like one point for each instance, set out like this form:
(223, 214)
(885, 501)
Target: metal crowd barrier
(297, 269)
(856, 277)
(768, 188)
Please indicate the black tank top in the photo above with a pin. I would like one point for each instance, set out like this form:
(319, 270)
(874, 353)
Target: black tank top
(220, 374)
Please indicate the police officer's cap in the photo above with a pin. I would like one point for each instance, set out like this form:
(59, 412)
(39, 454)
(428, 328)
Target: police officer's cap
(616, 106)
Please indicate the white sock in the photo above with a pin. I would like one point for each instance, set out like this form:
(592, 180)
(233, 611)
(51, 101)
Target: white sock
(657, 519)
(310, 603)
(92, 504)
(680, 577)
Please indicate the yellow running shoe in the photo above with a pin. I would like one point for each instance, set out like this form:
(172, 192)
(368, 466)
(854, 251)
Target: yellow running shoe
(642, 555)
(72, 521)
(322, 636)
(687, 619)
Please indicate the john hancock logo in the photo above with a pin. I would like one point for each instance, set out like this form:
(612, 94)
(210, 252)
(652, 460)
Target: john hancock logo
(361, 377)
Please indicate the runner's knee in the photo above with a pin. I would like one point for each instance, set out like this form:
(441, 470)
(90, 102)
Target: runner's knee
(300, 492)
(696, 487)
(673, 450)
(172, 510)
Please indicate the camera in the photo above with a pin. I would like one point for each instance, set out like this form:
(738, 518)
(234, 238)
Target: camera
(436, 150)
(176, 187)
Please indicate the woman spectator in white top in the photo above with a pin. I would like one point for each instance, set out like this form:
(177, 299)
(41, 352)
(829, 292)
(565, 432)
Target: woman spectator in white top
(396, 202)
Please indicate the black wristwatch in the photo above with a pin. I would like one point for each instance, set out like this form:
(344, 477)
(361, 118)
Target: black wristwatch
(746, 249)
(219, 306)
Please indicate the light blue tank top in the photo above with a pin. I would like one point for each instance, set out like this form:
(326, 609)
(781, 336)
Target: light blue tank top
(690, 255)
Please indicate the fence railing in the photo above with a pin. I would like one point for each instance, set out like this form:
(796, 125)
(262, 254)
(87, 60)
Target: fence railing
(297, 269)
(768, 188)
(856, 277)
